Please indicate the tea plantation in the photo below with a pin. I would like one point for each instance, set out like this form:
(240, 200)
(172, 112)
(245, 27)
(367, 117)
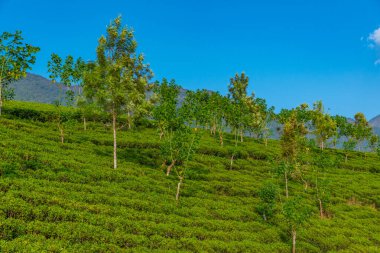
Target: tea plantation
(67, 197)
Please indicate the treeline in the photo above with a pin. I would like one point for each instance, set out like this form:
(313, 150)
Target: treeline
(117, 82)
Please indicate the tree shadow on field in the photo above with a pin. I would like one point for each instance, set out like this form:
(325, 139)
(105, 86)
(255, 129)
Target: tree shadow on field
(103, 152)
(149, 157)
(9, 170)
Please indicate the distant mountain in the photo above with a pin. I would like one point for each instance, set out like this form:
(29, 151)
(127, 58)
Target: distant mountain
(35, 88)
(375, 123)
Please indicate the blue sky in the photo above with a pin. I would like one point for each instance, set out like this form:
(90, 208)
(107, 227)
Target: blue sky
(293, 52)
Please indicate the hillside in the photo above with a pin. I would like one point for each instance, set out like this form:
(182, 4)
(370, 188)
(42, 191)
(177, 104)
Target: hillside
(67, 198)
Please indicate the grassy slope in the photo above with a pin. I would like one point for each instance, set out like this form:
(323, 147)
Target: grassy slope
(67, 198)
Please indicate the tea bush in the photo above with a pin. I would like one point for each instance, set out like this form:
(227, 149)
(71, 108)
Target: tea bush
(67, 198)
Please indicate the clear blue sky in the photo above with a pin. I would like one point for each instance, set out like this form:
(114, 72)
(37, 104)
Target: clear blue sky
(294, 52)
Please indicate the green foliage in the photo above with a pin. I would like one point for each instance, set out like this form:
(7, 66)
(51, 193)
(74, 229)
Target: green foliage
(44, 112)
(118, 80)
(296, 211)
(293, 137)
(180, 145)
(362, 129)
(119, 73)
(165, 110)
(322, 183)
(268, 195)
(238, 113)
(16, 57)
(348, 146)
(373, 142)
(67, 75)
(325, 126)
(218, 114)
(196, 108)
(261, 117)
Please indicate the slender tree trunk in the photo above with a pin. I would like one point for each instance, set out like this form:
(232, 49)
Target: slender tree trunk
(266, 141)
(221, 138)
(286, 185)
(241, 135)
(129, 120)
(322, 145)
(294, 235)
(169, 169)
(232, 161)
(114, 139)
(62, 133)
(161, 133)
(236, 137)
(321, 214)
(346, 158)
(264, 216)
(84, 123)
(178, 188)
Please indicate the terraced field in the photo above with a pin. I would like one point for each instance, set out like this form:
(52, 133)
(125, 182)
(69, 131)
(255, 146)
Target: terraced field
(67, 197)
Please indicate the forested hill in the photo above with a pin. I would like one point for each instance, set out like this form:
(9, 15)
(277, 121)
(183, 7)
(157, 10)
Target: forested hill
(35, 88)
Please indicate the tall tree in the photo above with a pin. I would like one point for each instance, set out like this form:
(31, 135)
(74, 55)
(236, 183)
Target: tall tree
(342, 126)
(347, 131)
(324, 125)
(294, 132)
(268, 194)
(196, 108)
(138, 104)
(261, 117)
(362, 129)
(322, 188)
(85, 105)
(297, 213)
(16, 57)
(284, 170)
(179, 146)
(292, 141)
(218, 113)
(349, 146)
(165, 111)
(117, 75)
(65, 74)
(239, 113)
(373, 142)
